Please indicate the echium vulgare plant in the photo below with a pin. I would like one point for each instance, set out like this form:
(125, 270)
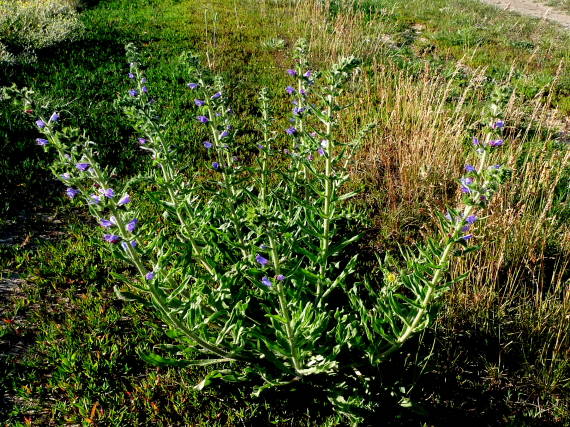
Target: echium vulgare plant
(251, 260)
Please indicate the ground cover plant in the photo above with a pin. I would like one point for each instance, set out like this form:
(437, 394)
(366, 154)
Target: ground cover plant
(503, 328)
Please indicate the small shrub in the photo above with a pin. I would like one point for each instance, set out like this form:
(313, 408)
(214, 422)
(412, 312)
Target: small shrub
(27, 25)
(253, 263)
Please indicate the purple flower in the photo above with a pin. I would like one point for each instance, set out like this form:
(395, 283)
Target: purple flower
(95, 199)
(149, 275)
(465, 228)
(132, 225)
(224, 134)
(471, 219)
(467, 237)
(308, 74)
(290, 90)
(466, 181)
(66, 176)
(133, 92)
(496, 143)
(280, 277)
(261, 260)
(54, 117)
(144, 89)
(448, 216)
(216, 165)
(41, 124)
(303, 92)
(465, 189)
(263, 246)
(266, 281)
(497, 166)
(82, 166)
(125, 246)
(109, 192)
(131, 76)
(216, 95)
(203, 119)
(499, 124)
(261, 147)
(41, 141)
(208, 144)
(111, 238)
(124, 200)
(142, 141)
(470, 168)
(292, 72)
(192, 85)
(291, 131)
(67, 156)
(298, 111)
(321, 151)
(71, 192)
(310, 157)
(475, 141)
(105, 223)
(143, 80)
(199, 102)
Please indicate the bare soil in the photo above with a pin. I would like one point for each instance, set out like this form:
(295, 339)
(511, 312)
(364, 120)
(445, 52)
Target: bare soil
(534, 9)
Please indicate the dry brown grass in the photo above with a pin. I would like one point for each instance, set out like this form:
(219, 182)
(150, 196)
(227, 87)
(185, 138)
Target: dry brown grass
(410, 165)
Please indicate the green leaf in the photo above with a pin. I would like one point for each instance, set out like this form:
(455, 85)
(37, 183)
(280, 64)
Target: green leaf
(129, 296)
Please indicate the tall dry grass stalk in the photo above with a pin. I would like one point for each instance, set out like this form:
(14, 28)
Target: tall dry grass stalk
(411, 163)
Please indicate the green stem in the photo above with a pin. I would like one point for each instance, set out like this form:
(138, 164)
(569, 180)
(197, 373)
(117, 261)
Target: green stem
(442, 262)
(283, 307)
(228, 181)
(158, 300)
(329, 189)
(168, 175)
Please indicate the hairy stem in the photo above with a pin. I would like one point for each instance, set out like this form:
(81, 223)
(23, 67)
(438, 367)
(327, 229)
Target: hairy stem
(283, 306)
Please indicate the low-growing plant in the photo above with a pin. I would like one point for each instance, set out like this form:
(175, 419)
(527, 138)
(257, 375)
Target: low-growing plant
(27, 25)
(252, 261)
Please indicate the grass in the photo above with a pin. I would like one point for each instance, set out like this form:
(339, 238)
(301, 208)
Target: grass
(500, 349)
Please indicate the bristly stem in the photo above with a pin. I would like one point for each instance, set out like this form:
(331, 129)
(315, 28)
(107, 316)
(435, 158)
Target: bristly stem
(439, 271)
(134, 256)
(284, 309)
(329, 189)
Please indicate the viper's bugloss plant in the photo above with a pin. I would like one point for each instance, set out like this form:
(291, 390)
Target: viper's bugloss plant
(252, 262)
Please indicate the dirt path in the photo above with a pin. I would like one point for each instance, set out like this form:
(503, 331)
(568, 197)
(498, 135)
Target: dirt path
(533, 8)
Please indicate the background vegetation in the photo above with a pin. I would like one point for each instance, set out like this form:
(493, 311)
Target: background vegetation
(499, 354)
